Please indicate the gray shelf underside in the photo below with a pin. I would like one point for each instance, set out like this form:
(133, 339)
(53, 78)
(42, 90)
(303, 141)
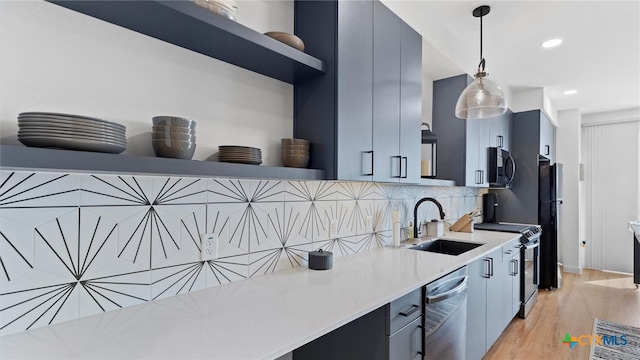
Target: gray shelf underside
(24, 158)
(185, 24)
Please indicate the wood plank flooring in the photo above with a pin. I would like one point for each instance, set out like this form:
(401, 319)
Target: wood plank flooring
(571, 309)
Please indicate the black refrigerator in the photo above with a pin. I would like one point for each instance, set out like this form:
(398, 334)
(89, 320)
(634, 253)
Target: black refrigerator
(549, 217)
(535, 197)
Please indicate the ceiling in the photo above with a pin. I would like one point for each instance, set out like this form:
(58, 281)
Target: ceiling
(599, 56)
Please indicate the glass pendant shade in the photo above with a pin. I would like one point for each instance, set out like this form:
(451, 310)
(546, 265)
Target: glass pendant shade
(481, 99)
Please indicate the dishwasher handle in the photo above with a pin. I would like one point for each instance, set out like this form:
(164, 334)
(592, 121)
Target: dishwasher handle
(462, 286)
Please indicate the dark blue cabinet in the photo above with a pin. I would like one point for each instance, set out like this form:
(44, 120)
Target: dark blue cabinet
(334, 111)
(410, 100)
(500, 130)
(363, 117)
(462, 145)
(386, 94)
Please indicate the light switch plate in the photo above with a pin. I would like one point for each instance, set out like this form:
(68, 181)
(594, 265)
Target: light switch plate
(208, 246)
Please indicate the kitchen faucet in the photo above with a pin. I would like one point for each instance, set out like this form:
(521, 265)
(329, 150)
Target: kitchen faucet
(415, 213)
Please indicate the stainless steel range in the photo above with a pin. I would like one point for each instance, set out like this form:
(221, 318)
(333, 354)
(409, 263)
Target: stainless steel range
(529, 260)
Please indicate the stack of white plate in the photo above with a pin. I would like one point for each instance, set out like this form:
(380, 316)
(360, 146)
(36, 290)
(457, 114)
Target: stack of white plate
(240, 154)
(226, 8)
(72, 132)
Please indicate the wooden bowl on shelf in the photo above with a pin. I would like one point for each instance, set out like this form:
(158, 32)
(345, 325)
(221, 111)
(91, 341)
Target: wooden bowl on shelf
(286, 38)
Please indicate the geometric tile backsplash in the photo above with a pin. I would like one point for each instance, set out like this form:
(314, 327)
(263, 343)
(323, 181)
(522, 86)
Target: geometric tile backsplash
(73, 245)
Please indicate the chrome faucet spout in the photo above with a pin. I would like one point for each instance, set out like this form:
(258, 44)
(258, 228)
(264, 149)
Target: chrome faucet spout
(415, 213)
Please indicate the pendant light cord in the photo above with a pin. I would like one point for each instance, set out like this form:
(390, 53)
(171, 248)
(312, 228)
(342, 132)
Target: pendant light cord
(482, 63)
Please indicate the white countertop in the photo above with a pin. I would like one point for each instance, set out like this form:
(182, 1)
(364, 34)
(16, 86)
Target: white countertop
(258, 318)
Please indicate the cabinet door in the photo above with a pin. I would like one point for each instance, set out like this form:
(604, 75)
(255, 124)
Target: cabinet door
(472, 174)
(410, 102)
(477, 305)
(477, 143)
(547, 137)
(515, 279)
(505, 126)
(354, 157)
(406, 344)
(504, 271)
(495, 297)
(362, 338)
(494, 124)
(483, 152)
(386, 94)
(451, 162)
(500, 130)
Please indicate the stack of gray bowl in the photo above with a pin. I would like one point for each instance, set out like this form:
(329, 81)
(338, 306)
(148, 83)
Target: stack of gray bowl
(173, 137)
(295, 153)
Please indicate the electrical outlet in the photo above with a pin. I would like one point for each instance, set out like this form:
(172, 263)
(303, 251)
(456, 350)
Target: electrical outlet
(368, 224)
(209, 246)
(333, 228)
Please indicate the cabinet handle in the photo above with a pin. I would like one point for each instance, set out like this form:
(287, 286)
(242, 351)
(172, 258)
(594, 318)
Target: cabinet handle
(478, 177)
(515, 271)
(547, 149)
(488, 274)
(399, 166)
(413, 309)
(491, 267)
(368, 152)
(406, 166)
(500, 141)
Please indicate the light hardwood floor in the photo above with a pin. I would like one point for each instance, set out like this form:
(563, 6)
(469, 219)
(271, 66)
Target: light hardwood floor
(571, 309)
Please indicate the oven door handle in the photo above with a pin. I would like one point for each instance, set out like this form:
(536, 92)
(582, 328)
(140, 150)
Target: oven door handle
(532, 245)
(462, 286)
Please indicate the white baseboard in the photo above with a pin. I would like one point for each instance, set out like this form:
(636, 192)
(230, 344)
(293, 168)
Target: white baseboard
(618, 272)
(572, 269)
(611, 271)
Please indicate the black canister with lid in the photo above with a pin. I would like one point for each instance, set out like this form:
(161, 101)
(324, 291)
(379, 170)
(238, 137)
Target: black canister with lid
(320, 260)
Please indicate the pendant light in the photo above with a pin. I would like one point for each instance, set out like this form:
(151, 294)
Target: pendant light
(482, 98)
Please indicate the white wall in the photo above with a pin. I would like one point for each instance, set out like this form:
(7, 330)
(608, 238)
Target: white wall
(611, 116)
(57, 60)
(568, 153)
(533, 99)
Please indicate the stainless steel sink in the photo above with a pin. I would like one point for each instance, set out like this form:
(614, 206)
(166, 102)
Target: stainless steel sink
(448, 247)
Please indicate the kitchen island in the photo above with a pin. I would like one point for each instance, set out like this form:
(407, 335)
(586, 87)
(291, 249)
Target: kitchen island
(258, 318)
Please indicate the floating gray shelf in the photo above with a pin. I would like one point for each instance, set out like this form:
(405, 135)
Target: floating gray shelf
(38, 159)
(193, 27)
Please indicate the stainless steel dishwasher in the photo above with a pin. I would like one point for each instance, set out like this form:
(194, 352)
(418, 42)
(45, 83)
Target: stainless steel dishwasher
(445, 320)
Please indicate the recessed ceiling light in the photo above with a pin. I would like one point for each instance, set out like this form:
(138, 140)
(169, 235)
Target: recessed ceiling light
(551, 43)
(570, 92)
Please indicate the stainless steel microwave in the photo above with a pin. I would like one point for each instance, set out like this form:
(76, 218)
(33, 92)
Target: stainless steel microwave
(502, 168)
